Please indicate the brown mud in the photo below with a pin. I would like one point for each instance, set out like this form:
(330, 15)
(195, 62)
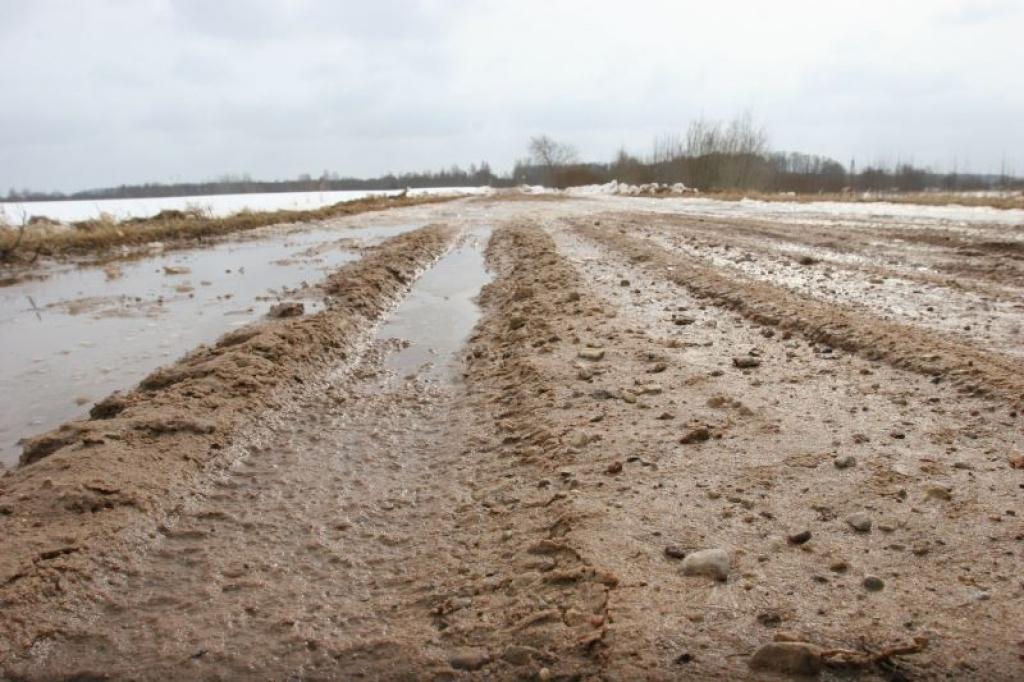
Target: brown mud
(283, 506)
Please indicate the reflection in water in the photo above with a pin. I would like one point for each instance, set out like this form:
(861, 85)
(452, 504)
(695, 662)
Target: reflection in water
(80, 334)
(440, 311)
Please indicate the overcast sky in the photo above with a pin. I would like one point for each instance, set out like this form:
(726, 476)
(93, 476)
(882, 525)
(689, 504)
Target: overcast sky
(101, 92)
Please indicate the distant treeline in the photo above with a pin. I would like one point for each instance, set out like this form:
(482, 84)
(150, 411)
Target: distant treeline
(712, 155)
(475, 176)
(716, 155)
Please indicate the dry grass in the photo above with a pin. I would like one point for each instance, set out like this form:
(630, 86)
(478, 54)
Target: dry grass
(97, 237)
(920, 198)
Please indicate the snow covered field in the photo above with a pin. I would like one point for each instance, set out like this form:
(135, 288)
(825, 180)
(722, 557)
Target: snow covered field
(216, 205)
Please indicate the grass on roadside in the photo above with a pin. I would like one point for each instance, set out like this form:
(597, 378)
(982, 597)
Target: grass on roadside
(21, 244)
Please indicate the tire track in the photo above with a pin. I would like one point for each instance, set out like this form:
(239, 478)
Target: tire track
(93, 490)
(971, 370)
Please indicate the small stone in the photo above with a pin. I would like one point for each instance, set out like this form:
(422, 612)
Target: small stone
(286, 309)
(845, 462)
(592, 353)
(791, 658)
(799, 538)
(614, 468)
(859, 521)
(839, 566)
(938, 491)
(674, 552)
(710, 562)
(873, 583)
(516, 323)
(517, 654)
(745, 362)
(697, 435)
(470, 658)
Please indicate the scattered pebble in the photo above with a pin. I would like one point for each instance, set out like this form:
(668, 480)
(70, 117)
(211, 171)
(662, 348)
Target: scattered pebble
(799, 538)
(859, 521)
(710, 562)
(287, 309)
(470, 658)
(873, 583)
(697, 435)
(744, 362)
(938, 491)
(845, 462)
(790, 658)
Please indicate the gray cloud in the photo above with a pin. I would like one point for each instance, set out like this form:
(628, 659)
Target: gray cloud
(112, 91)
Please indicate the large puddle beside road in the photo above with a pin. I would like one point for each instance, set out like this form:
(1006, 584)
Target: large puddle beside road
(73, 338)
(440, 312)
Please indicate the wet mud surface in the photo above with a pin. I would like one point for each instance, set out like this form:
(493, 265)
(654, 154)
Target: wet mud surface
(553, 440)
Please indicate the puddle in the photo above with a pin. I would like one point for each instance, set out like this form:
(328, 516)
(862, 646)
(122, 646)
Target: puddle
(440, 312)
(73, 338)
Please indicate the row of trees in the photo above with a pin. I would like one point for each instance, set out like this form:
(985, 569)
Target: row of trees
(712, 155)
(735, 155)
(455, 176)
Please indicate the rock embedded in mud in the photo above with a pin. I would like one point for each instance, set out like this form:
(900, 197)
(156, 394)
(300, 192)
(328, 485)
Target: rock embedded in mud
(517, 654)
(287, 309)
(470, 658)
(109, 407)
(592, 354)
(789, 658)
(859, 521)
(873, 583)
(799, 538)
(700, 434)
(744, 362)
(714, 563)
(845, 462)
(938, 491)
(674, 552)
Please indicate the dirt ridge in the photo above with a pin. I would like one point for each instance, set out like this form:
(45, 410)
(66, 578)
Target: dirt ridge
(88, 484)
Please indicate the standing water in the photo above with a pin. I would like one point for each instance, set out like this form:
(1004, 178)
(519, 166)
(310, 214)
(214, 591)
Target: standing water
(75, 337)
(440, 312)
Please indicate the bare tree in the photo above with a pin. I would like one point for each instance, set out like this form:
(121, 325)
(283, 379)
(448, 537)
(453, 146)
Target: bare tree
(551, 155)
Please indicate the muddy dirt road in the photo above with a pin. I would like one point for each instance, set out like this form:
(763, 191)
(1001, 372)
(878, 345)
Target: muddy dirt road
(642, 443)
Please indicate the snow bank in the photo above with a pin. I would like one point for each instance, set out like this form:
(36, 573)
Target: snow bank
(625, 189)
(217, 205)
